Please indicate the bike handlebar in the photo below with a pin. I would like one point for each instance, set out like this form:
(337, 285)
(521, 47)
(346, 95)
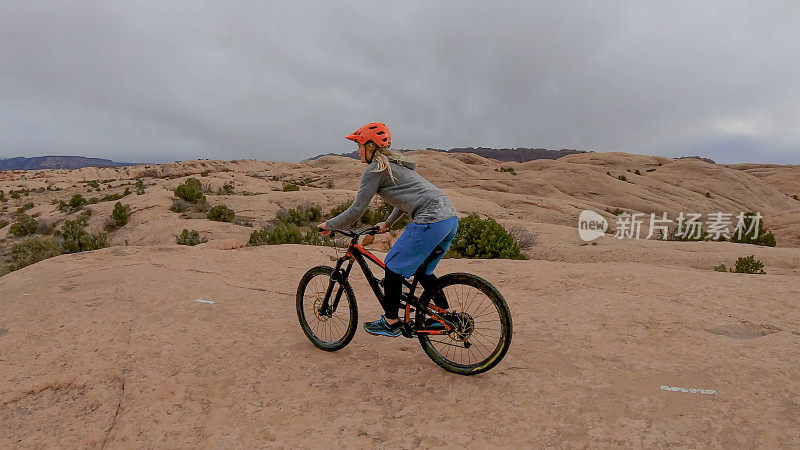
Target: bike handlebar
(351, 233)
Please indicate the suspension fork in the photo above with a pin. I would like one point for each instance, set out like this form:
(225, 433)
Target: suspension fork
(339, 275)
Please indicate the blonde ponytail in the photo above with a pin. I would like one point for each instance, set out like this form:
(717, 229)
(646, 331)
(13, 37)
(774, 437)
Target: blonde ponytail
(381, 156)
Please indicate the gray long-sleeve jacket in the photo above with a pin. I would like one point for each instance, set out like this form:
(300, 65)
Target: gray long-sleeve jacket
(408, 192)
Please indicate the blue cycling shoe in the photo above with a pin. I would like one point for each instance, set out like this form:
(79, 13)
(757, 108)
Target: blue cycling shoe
(382, 328)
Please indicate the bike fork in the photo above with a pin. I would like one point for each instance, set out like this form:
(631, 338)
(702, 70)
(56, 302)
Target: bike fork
(338, 275)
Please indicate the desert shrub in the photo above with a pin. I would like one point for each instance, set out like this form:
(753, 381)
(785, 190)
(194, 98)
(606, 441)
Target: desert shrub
(622, 177)
(221, 213)
(189, 238)
(73, 237)
(302, 215)
(340, 208)
(92, 183)
(721, 268)
(204, 173)
(478, 238)
(748, 264)
(688, 234)
(708, 194)
(764, 237)
(23, 225)
(31, 250)
(76, 202)
(14, 194)
(3, 223)
(201, 206)
(120, 215)
(139, 187)
(286, 233)
(226, 189)
(289, 187)
(615, 212)
(372, 215)
(26, 206)
(191, 191)
(524, 239)
(636, 172)
(506, 169)
(44, 227)
(179, 205)
(244, 222)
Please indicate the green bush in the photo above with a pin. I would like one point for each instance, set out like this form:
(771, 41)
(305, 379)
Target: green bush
(302, 215)
(371, 215)
(23, 226)
(189, 238)
(31, 250)
(748, 264)
(74, 238)
(506, 169)
(221, 213)
(289, 187)
(191, 191)
(622, 177)
(3, 223)
(286, 233)
(14, 194)
(478, 238)
(636, 172)
(615, 212)
(764, 237)
(340, 208)
(121, 214)
(76, 202)
(139, 187)
(26, 206)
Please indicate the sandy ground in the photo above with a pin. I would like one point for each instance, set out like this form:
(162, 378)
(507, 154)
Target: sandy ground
(110, 349)
(612, 339)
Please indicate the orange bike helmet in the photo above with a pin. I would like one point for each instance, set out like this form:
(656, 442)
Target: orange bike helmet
(376, 132)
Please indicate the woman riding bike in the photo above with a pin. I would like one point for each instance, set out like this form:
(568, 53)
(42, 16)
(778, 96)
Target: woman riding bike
(434, 217)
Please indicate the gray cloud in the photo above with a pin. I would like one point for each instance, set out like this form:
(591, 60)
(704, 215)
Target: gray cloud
(157, 81)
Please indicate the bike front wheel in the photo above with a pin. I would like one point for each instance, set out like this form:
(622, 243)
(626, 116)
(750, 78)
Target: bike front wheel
(329, 326)
(482, 333)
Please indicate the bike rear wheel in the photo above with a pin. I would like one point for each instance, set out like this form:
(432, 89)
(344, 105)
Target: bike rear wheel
(328, 330)
(483, 332)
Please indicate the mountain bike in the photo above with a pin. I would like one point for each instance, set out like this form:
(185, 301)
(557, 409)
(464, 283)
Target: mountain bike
(460, 319)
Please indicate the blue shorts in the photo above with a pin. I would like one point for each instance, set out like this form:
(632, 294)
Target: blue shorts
(417, 242)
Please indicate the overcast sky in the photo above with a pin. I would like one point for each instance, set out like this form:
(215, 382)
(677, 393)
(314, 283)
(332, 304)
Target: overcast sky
(167, 80)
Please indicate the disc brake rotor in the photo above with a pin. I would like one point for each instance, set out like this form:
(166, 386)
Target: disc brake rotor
(317, 311)
(464, 326)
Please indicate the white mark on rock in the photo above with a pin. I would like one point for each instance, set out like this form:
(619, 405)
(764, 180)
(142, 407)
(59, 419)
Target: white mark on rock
(689, 390)
(26, 294)
(199, 300)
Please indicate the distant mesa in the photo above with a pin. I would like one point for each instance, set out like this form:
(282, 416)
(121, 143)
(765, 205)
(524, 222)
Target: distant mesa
(501, 154)
(708, 160)
(56, 162)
